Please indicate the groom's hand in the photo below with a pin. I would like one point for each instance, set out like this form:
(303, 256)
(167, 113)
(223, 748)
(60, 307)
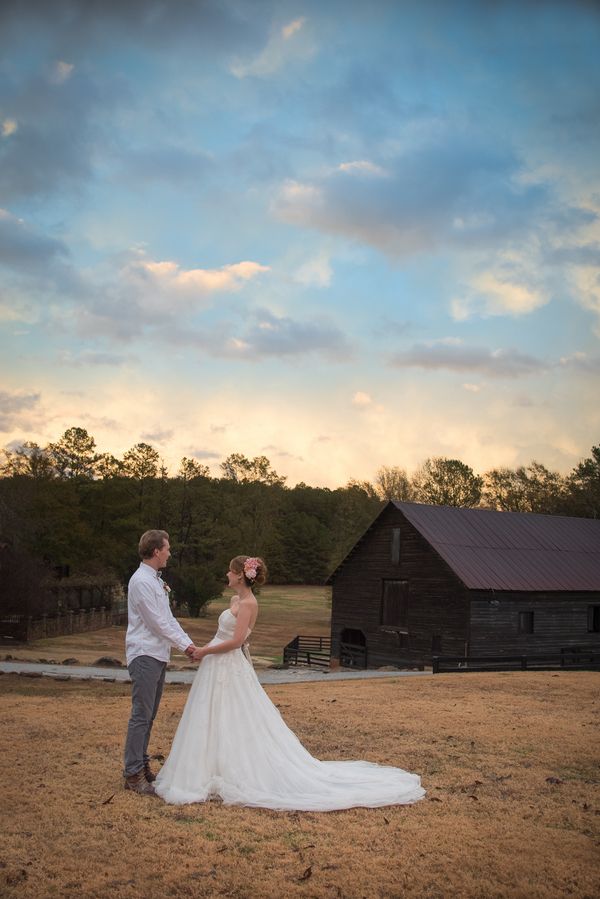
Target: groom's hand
(189, 651)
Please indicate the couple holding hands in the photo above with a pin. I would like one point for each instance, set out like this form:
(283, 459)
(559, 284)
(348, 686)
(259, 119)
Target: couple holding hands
(231, 742)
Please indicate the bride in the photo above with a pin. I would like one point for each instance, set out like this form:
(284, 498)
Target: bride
(233, 744)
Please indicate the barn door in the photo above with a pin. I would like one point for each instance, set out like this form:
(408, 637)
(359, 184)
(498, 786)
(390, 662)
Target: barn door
(353, 648)
(394, 604)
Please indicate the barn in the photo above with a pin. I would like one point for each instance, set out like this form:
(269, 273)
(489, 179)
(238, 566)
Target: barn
(427, 581)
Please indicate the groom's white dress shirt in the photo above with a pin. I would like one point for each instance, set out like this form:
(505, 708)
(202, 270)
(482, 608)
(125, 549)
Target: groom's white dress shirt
(152, 628)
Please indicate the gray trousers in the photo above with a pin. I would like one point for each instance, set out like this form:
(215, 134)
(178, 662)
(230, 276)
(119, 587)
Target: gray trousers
(147, 681)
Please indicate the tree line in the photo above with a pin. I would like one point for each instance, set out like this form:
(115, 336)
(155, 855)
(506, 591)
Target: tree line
(67, 507)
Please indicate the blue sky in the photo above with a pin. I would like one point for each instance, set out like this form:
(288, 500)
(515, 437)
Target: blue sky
(342, 235)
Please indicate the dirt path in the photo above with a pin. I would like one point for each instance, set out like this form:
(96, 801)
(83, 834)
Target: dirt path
(265, 675)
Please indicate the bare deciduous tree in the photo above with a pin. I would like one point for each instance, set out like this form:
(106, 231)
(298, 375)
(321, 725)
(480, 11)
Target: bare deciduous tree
(447, 482)
(393, 483)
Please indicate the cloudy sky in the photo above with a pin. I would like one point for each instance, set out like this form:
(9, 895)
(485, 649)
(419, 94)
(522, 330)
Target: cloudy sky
(339, 234)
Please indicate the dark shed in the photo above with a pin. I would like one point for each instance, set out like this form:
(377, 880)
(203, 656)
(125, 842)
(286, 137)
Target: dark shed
(437, 580)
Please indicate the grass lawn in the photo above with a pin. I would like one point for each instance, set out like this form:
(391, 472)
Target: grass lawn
(284, 613)
(509, 762)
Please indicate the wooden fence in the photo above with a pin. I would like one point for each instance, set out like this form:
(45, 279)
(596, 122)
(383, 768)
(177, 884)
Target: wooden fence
(23, 628)
(571, 659)
(308, 651)
(353, 655)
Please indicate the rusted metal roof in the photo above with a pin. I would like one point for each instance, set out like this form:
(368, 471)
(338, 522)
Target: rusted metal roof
(491, 550)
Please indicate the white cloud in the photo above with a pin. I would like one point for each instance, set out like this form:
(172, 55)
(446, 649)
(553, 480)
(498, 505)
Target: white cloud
(586, 281)
(284, 44)
(9, 126)
(239, 346)
(315, 272)
(362, 167)
(154, 282)
(504, 296)
(228, 277)
(361, 399)
(61, 72)
(16, 309)
(582, 362)
(493, 294)
(472, 388)
(290, 30)
(295, 191)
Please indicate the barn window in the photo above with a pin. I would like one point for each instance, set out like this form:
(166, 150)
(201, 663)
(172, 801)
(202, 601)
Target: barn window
(395, 547)
(525, 622)
(593, 619)
(394, 604)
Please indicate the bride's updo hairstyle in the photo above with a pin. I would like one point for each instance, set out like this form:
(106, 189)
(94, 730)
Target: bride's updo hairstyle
(253, 569)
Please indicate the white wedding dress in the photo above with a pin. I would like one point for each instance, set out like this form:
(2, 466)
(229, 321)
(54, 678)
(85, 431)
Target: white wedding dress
(232, 743)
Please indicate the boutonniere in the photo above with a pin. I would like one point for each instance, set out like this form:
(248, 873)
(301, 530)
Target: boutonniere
(166, 587)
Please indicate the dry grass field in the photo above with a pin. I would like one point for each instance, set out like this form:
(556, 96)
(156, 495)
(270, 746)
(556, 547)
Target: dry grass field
(510, 763)
(284, 613)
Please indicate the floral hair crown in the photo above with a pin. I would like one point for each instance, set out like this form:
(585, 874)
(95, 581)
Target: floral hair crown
(251, 567)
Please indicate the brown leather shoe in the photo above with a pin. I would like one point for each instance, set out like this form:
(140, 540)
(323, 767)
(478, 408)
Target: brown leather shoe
(149, 773)
(139, 784)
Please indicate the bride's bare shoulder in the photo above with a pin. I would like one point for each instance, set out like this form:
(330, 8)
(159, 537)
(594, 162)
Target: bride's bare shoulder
(249, 601)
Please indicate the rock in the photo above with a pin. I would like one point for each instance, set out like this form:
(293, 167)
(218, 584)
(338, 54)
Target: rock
(108, 662)
(70, 662)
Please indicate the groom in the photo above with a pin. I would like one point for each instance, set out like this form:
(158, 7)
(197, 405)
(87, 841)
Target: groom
(151, 631)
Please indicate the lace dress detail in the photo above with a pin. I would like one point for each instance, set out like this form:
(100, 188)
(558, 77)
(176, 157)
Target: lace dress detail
(232, 743)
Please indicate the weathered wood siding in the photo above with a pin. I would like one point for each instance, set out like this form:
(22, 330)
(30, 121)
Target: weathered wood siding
(438, 607)
(560, 621)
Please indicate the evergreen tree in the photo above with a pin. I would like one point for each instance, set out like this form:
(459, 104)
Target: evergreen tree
(583, 486)
(74, 456)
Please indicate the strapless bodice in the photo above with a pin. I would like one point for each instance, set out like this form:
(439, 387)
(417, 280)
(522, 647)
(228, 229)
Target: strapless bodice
(226, 627)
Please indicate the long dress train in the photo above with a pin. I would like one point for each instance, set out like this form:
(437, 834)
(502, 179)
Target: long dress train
(232, 743)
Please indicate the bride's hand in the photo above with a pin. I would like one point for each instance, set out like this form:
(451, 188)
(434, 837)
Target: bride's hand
(198, 654)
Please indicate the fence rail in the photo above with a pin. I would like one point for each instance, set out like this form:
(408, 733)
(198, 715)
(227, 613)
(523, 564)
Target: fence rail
(23, 628)
(572, 659)
(353, 656)
(307, 650)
